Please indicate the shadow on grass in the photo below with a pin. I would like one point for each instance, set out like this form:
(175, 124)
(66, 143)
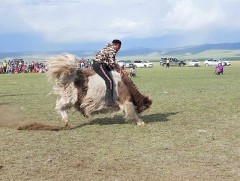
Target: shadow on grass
(120, 120)
(158, 117)
(99, 121)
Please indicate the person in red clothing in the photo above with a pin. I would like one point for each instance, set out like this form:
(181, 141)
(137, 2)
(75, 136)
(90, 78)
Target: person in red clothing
(16, 71)
(103, 63)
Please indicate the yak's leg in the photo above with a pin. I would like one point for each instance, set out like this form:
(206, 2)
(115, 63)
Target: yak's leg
(62, 106)
(130, 113)
(64, 117)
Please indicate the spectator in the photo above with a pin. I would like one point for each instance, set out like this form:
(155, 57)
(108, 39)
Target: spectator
(16, 70)
(4, 66)
(133, 71)
(219, 69)
(167, 63)
(31, 66)
(9, 69)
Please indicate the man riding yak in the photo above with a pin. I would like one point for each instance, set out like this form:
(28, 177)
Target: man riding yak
(101, 90)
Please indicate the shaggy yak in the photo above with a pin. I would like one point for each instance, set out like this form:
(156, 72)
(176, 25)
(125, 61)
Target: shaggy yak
(85, 90)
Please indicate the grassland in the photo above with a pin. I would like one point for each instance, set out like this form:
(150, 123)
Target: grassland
(191, 133)
(227, 54)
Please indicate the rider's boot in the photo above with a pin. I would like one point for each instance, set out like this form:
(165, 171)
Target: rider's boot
(109, 98)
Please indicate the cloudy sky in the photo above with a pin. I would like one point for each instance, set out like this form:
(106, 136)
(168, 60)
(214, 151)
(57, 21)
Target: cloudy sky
(40, 25)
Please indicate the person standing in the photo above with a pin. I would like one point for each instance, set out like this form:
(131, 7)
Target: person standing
(4, 66)
(103, 63)
(133, 71)
(167, 63)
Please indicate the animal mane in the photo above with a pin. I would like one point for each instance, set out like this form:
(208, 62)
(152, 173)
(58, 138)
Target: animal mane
(139, 100)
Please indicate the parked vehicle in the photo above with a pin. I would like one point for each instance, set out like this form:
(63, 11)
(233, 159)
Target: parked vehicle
(126, 63)
(225, 62)
(211, 62)
(194, 63)
(172, 62)
(143, 63)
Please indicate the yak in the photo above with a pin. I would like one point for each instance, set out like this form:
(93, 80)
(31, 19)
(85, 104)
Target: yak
(84, 90)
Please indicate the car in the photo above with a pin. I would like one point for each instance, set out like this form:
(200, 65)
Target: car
(194, 63)
(211, 62)
(225, 62)
(172, 62)
(125, 63)
(142, 63)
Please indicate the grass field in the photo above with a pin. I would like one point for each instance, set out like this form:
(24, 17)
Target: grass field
(191, 132)
(227, 54)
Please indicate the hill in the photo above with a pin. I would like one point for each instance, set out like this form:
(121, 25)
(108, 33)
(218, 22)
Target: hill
(222, 50)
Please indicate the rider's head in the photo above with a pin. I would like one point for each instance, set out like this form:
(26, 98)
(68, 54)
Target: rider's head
(117, 44)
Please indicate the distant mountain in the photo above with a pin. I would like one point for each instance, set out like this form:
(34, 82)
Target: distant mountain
(202, 48)
(137, 51)
(181, 50)
(130, 52)
(44, 54)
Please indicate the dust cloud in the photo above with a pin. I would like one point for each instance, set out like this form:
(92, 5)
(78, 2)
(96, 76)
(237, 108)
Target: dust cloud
(9, 117)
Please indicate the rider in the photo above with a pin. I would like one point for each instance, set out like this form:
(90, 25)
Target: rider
(133, 71)
(104, 62)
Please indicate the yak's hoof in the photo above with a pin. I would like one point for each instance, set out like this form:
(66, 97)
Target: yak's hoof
(66, 124)
(141, 123)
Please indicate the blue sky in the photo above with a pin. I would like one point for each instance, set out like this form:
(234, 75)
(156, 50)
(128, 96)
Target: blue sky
(42, 25)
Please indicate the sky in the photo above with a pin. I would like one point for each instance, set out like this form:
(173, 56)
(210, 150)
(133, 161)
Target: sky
(62, 25)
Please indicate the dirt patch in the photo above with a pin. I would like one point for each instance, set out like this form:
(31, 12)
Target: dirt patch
(40, 126)
(11, 118)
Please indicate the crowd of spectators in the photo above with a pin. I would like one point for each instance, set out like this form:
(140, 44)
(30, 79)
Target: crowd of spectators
(19, 66)
(84, 64)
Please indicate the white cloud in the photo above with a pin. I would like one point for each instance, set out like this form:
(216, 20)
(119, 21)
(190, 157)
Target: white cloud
(92, 20)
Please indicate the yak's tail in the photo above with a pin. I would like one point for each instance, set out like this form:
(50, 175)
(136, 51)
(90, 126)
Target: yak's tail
(62, 70)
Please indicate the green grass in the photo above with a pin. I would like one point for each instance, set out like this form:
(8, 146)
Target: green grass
(191, 132)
